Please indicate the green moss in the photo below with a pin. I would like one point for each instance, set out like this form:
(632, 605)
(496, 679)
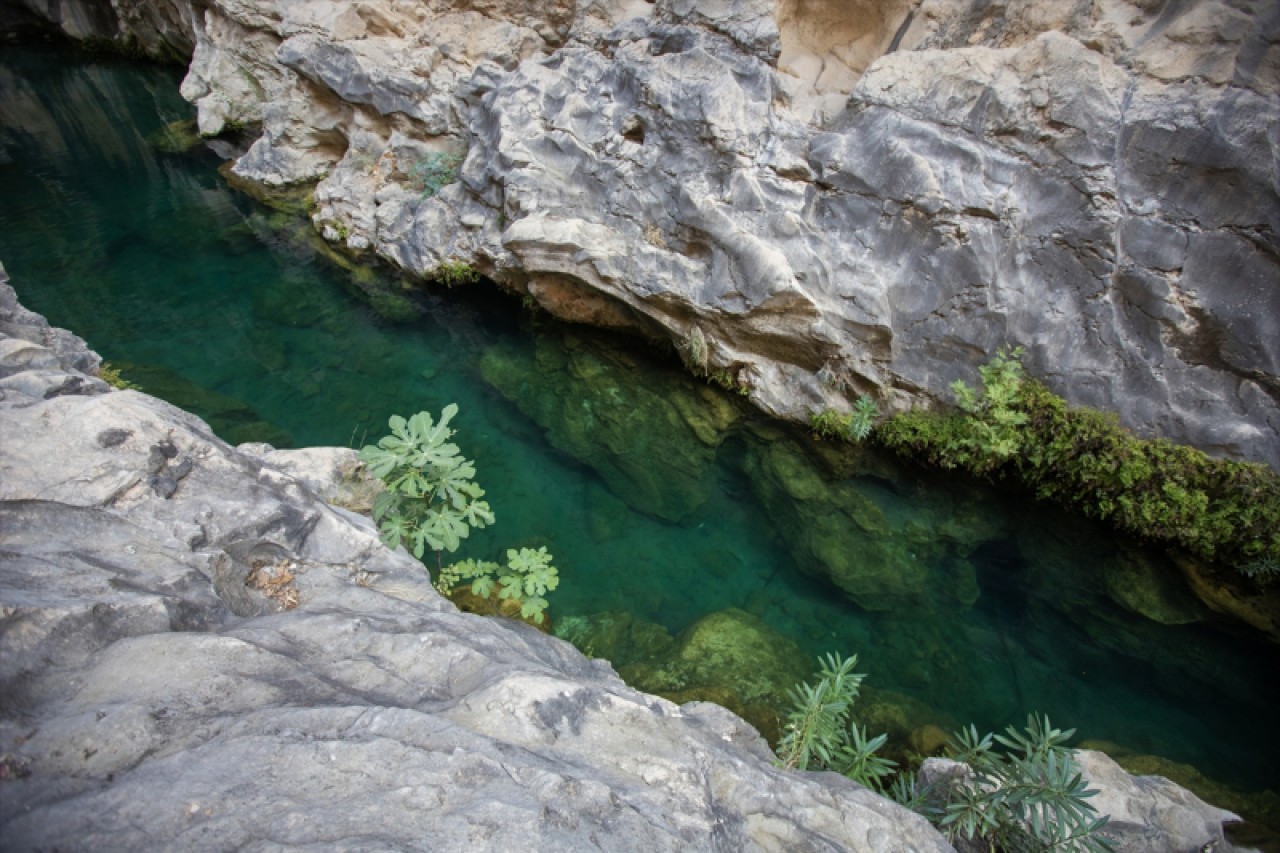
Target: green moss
(852, 426)
(453, 273)
(176, 137)
(110, 374)
(1220, 510)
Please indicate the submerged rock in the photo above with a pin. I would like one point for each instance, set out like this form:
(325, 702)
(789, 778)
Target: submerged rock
(230, 417)
(881, 551)
(652, 441)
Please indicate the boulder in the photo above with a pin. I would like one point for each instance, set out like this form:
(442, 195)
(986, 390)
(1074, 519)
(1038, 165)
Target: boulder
(1148, 814)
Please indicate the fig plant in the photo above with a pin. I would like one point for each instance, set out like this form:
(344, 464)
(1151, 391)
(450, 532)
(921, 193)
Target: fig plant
(432, 501)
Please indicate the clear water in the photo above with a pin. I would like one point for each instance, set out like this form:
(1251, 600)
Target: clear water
(213, 302)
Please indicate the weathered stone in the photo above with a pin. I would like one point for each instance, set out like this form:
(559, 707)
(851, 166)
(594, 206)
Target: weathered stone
(729, 657)
(335, 474)
(156, 696)
(841, 197)
(1150, 813)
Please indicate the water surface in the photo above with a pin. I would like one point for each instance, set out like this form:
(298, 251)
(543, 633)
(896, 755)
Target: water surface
(659, 495)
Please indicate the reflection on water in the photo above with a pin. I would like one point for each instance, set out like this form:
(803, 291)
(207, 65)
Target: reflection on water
(663, 499)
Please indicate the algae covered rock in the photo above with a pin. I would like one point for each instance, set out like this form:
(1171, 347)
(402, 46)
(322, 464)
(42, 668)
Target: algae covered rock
(881, 552)
(732, 658)
(1135, 581)
(652, 438)
(616, 636)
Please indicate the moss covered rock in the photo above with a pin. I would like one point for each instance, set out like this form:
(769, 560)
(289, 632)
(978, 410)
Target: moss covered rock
(652, 438)
(881, 551)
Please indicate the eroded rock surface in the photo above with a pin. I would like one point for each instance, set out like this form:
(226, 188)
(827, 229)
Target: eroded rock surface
(836, 197)
(199, 653)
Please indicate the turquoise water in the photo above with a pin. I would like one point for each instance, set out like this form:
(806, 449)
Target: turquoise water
(658, 494)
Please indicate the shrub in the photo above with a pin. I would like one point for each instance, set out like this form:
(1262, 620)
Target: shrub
(819, 734)
(432, 499)
(1029, 797)
(1015, 428)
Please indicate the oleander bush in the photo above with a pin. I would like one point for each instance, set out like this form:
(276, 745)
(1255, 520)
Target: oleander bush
(1020, 791)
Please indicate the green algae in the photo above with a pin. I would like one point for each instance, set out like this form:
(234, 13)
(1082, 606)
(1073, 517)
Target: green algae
(649, 435)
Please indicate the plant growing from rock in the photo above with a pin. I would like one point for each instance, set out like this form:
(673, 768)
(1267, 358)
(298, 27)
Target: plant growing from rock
(852, 426)
(819, 734)
(1219, 510)
(696, 351)
(434, 171)
(110, 374)
(432, 499)
(993, 410)
(525, 579)
(1029, 796)
(452, 273)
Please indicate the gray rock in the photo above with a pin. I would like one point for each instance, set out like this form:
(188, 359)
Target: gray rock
(227, 662)
(840, 201)
(1148, 814)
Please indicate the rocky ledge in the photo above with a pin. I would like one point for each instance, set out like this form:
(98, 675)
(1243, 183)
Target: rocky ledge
(812, 199)
(199, 652)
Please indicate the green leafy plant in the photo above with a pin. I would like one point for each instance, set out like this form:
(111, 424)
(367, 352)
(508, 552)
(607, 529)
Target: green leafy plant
(819, 734)
(526, 578)
(110, 374)
(453, 273)
(432, 499)
(1028, 796)
(1015, 428)
(993, 411)
(1021, 791)
(1264, 570)
(434, 171)
(853, 426)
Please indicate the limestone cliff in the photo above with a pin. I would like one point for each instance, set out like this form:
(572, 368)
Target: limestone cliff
(836, 197)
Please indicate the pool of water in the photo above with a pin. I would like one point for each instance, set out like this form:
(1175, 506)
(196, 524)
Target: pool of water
(660, 496)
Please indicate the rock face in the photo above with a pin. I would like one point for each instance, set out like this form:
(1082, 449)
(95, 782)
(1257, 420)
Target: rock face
(1148, 814)
(201, 654)
(162, 29)
(832, 198)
